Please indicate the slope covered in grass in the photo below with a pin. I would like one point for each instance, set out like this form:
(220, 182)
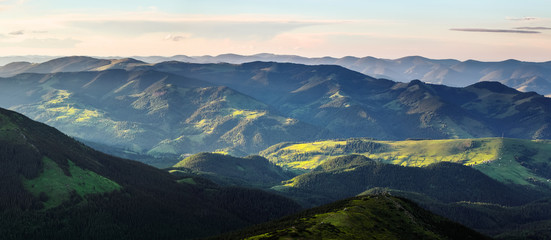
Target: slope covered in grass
(367, 217)
(351, 175)
(251, 171)
(56, 187)
(516, 161)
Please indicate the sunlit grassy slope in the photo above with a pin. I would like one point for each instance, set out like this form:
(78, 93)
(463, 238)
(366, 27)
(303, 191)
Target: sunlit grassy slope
(367, 217)
(524, 162)
(58, 187)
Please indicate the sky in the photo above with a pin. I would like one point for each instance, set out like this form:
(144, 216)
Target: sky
(487, 30)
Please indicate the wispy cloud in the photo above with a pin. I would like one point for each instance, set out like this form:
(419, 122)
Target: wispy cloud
(47, 43)
(486, 30)
(177, 38)
(522, 19)
(19, 32)
(534, 28)
(208, 28)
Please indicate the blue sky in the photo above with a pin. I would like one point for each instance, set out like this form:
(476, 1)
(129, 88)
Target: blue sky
(483, 30)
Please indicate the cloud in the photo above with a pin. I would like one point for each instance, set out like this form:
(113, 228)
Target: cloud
(522, 19)
(19, 32)
(494, 30)
(177, 38)
(205, 28)
(46, 43)
(534, 28)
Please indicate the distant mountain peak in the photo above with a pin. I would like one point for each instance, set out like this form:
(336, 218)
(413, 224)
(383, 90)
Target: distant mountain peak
(494, 87)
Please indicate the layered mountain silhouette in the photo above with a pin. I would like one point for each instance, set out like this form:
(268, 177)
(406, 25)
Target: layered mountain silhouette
(523, 76)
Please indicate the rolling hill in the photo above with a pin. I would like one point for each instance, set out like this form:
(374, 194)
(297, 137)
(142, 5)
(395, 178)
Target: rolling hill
(452, 190)
(53, 187)
(446, 182)
(511, 161)
(250, 171)
(367, 217)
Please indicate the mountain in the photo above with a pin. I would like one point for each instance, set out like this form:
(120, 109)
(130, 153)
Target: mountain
(245, 108)
(29, 59)
(68, 64)
(356, 105)
(367, 217)
(250, 171)
(54, 187)
(523, 76)
(153, 113)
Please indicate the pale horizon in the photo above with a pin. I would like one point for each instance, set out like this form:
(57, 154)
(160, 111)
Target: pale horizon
(445, 29)
(246, 55)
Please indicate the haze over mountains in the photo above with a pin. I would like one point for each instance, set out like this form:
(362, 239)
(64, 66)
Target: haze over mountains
(523, 76)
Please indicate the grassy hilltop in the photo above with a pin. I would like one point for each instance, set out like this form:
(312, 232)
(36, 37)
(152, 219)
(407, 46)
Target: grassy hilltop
(524, 162)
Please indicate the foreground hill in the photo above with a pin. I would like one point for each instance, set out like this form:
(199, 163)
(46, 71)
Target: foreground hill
(457, 192)
(367, 217)
(149, 112)
(53, 187)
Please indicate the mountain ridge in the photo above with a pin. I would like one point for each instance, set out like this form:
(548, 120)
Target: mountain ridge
(521, 75)
(48, 182)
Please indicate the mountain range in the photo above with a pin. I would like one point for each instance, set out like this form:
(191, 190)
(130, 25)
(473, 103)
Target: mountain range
(126, 107)
(142, 111)
(523, 76)
(325, 133)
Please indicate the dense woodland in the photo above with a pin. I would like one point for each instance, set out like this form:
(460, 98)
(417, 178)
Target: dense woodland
(151, 205)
